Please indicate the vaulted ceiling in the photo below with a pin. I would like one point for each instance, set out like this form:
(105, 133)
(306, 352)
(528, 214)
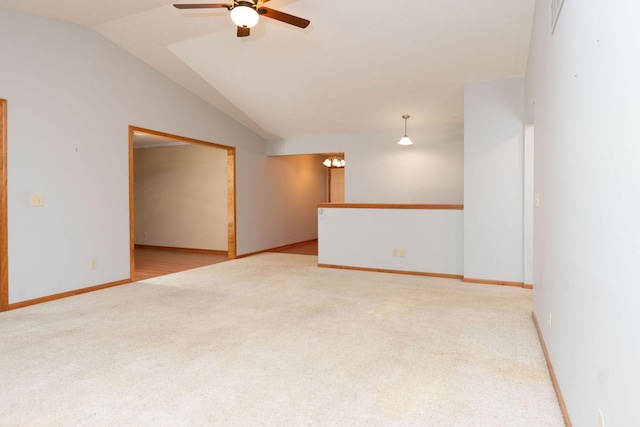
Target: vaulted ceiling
(358, 67)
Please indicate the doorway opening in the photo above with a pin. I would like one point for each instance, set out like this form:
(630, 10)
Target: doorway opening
(336, 185)
(335, 177)
(180, 257)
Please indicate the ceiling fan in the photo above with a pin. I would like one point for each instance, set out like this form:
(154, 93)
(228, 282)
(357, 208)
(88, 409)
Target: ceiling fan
(245, 14)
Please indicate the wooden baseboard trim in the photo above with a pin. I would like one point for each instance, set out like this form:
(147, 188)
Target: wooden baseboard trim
(554, 380)
(171, 248)
(495, 282)
(41, 300)
(278, 248)
(391, 206)
(382, 270)
(528, 286)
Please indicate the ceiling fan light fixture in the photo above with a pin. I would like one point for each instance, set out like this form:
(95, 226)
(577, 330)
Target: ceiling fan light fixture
(244, 16)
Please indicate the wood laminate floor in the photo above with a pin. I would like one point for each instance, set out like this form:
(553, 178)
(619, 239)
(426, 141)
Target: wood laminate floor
(307, 248)
(152, 262)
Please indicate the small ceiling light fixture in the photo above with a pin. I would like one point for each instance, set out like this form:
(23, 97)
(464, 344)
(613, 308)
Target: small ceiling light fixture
(334, 162)
(244, 14)
(405, 139)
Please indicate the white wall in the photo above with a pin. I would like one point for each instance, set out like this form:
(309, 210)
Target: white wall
(584, 92)
(378, 170)
(181, 197)
(71, 97)
(302, 180)
(528, 204)
(493, 180)
(430, 239)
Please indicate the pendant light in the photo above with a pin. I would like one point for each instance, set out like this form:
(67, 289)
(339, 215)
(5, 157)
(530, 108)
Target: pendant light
(405, 139)
(334, 162)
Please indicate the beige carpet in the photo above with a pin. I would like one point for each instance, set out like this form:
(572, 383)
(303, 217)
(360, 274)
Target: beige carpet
(272, 340)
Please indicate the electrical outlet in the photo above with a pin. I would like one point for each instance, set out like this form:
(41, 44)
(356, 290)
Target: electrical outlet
(36, 201)
(402, 253)
(94, 264)
(394, 252)
(550, 321)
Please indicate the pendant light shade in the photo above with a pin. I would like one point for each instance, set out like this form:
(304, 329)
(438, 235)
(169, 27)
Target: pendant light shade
(244, 16)
(405, 140)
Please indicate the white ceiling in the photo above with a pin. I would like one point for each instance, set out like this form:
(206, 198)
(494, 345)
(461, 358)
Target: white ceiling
(358, 67)
(147, 140)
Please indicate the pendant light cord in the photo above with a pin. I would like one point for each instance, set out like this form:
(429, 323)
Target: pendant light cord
(405, 117)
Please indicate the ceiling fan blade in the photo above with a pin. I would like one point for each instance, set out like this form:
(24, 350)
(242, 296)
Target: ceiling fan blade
(243, 32)
(284, 17)
(203, 6)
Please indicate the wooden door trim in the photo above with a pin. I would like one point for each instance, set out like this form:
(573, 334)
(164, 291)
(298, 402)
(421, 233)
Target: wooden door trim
(131, 235)
(4, 211)
(231, 188)
(329, 185)
(231, 202)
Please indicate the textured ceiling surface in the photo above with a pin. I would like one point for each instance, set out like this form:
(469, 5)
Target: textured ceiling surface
(358, 67)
